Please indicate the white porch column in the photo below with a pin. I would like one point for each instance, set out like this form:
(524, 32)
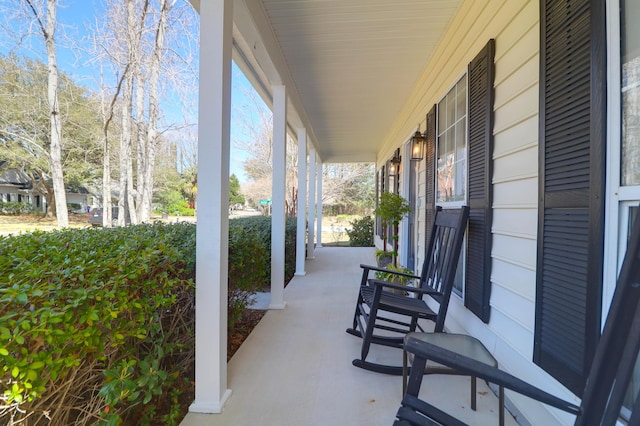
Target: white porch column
(278, 196)
(319, 205)
(302, 201)
(212, 231)
(312, 202)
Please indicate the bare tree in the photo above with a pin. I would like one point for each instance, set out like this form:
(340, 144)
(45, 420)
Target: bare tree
(48, 29)
(149, 146)
(256, 121)
(349, 187)
(108, 111)
(140, 58)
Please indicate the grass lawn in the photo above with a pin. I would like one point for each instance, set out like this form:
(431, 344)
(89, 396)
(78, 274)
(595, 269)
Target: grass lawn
(29, 223)
(334, 229)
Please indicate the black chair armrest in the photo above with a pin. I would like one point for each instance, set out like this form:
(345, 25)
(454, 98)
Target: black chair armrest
(367, 268)
(475, 368)
(408, 288)
(387, 271)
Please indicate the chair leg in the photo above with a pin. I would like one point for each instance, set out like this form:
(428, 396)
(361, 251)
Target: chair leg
(357, 311)
(368, 334)
(354, 327)
(501, 404)
(404, 371)
(473, 392)
(414, 324)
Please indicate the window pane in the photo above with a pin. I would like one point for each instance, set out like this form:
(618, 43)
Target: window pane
(461, 161)
(630, 92)
(634, 385)
(630, 149)
(457, 282)
(461, 98)
(452, 145)
(445, 167)
(442, 116)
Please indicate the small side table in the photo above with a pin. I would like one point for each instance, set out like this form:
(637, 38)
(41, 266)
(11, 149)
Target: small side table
(462, 344)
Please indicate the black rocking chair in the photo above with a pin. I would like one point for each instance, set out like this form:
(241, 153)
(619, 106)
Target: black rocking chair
(436, 280)
(608, 379)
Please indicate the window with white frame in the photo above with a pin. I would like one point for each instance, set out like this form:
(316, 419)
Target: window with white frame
(451, 158)
(452, 146)
(623, 146)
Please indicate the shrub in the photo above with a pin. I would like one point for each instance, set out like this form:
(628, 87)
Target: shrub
(94, 324)
(74, 207)
(15, 208)
(172, 201)
(248, 260)
(361, 232)
(260, 226)
(97, 325)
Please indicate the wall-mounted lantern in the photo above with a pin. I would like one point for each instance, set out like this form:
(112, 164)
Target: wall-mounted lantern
(418, 142)
(394, 163)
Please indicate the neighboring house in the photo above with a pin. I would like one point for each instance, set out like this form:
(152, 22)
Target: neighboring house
(16, 186)
(531, 112)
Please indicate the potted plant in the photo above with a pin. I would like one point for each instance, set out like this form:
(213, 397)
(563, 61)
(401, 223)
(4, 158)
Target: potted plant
(391, 209)
(395, 278)
(383, 258)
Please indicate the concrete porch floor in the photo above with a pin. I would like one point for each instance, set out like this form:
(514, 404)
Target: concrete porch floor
(295, 367)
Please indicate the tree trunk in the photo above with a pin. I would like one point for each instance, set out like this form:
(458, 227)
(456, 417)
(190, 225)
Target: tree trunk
(141, 138)
(125, 200)
(55, 154)
(125, 148)
(152, 132)
(141, 144)
(106, 177)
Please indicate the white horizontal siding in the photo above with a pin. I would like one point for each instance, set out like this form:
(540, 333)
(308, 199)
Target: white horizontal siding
(515, 222)
(507, 330)
(515, 278)
(520, 251)
(513, 138)
(519, 193)
(521, 312)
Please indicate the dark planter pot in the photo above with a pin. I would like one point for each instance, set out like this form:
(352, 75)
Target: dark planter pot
(383, 261)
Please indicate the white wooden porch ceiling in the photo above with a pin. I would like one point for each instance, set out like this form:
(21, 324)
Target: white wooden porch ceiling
(352, 63)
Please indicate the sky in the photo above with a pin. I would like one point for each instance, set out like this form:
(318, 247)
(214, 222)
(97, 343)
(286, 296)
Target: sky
(74, 16)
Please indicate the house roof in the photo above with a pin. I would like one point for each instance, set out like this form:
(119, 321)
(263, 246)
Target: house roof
(14, 177)
(349, 67)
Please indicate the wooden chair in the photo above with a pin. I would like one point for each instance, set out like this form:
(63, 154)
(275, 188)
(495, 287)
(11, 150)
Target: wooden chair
(376, 300)
(608, 379)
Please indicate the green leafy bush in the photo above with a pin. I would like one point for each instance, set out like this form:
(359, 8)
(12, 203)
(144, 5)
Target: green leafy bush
(74, 207)
(15, 208)
(361, 232)
(97, 325)
(248, 260)
(94, 324)
(260, 226)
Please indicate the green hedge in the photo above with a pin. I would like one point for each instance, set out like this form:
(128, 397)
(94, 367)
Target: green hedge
(97, 325)
(15, 208)
(260, 226)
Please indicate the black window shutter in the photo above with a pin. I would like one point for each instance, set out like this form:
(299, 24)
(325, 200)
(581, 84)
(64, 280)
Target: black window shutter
(430, 173)
(571, 202)
(480, 139)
